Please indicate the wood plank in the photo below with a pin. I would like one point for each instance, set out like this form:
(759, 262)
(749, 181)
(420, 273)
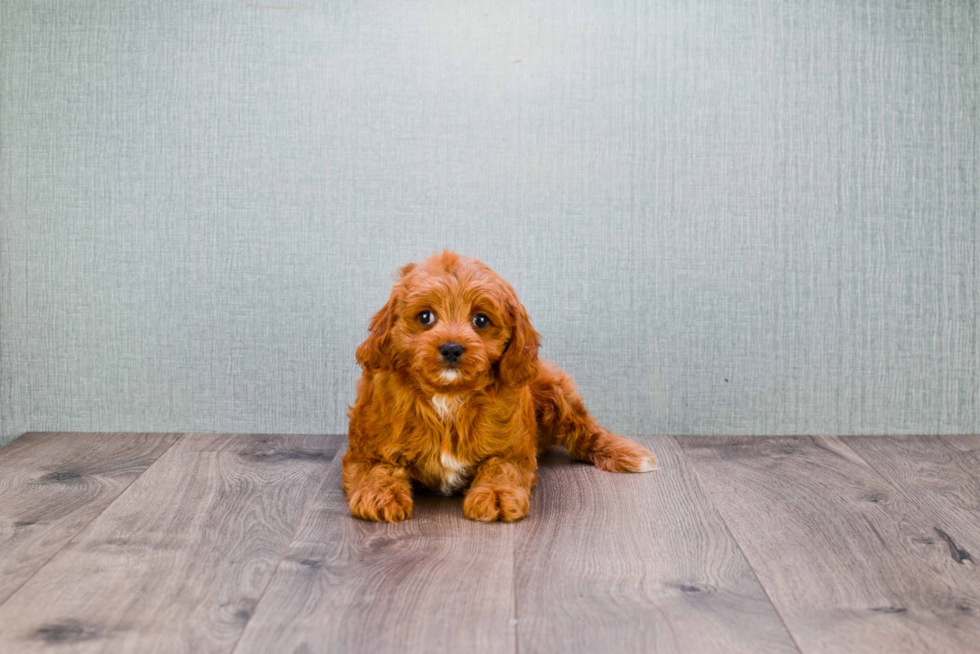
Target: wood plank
(635, 563)
(939, 478)
(849, 563)
(435, 582)
(967, 445)
(180, 560)
(52, 484)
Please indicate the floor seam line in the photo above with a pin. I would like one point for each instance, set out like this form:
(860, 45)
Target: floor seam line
(728, 530)
(513, 578)
(71, 540)
(285, 551)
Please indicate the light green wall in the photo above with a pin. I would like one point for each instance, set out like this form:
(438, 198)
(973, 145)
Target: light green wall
(725, 217)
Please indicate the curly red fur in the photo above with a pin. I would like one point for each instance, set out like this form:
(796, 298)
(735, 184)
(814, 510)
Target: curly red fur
(477, 424)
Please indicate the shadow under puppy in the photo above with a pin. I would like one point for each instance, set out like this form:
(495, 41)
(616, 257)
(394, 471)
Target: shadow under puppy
(453, 394)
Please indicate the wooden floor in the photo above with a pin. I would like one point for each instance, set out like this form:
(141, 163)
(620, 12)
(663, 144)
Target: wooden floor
(243, 543)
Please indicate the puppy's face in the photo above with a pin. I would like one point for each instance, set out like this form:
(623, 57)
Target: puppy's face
(453, 325)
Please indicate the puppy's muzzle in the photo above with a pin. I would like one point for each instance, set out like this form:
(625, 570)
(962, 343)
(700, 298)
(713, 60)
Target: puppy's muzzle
(451, 352)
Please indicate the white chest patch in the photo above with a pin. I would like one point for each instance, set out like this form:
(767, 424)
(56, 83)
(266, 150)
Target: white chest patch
(454, 473)
(446, 405)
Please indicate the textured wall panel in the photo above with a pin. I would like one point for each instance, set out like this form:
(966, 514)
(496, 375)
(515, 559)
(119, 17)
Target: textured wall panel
(724, 216)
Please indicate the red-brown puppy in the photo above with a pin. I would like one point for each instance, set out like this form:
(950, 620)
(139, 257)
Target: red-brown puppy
(454, 396)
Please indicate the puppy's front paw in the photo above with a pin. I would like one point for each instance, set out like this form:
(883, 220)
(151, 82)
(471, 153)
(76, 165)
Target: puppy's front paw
(488, 503)
(617, 454)
(385, 501)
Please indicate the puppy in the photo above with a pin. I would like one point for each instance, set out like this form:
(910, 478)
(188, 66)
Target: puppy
(453, 396)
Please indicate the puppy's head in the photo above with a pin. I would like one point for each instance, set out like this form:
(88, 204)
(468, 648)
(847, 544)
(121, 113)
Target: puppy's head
(454, 325)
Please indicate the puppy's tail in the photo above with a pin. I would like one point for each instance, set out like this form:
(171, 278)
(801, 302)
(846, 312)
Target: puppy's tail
(563, 420)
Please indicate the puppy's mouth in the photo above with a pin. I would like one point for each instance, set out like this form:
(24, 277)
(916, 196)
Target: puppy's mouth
(449, 374)
(454, 376)
(443, 374)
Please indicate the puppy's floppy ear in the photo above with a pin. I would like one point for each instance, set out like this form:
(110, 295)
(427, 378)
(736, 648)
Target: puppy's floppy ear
(375, 352)
(518, 365)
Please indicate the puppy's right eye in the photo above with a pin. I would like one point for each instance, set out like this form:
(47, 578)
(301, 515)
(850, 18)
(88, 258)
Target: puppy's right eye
(427, 317)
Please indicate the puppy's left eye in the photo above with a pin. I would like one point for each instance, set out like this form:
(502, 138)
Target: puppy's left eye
(480, 321)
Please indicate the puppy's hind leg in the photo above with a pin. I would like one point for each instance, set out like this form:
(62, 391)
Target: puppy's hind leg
(563, 420)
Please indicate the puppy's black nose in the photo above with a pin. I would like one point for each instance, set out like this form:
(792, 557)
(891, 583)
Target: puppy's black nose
(451, 352)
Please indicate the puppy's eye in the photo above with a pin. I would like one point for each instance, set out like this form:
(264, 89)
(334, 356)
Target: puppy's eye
(480, 321)
(427, 317)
